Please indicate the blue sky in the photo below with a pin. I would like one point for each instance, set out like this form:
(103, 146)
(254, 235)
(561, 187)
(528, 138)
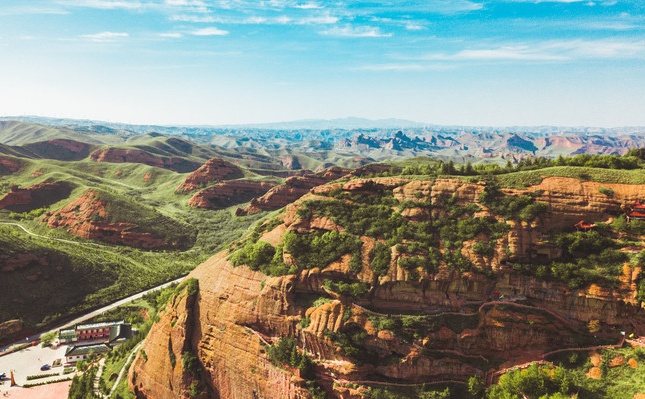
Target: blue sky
(457, 62)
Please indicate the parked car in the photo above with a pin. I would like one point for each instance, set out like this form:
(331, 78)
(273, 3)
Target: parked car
(3, 376)
(45, 367)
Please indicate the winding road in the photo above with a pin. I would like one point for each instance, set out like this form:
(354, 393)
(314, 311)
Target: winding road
(51, 238)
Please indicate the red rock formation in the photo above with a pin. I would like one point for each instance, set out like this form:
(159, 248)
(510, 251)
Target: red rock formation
(85, 217)
(167, 344)
(239, 309)
(229, 193)
(10, 164)
(123, 155)
(293, 188)
(25, 196)
(212, 171)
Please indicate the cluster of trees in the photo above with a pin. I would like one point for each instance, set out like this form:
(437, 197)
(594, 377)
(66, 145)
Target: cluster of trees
(633, 159)
(514, 207)
(286, 353)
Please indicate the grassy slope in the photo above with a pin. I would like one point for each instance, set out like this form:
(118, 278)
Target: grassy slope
(91, 276)
(19, 133)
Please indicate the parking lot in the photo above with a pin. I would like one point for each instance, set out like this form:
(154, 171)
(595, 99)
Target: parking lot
(28, 362)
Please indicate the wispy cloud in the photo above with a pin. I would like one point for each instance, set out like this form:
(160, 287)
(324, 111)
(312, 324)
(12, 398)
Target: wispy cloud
(209, 32)
(309, 6)
(104, 37)
(193, 18)
(171, 35)
(104, 4)
(355, 31)
(405, 67)
(32, 10)
(549, 51)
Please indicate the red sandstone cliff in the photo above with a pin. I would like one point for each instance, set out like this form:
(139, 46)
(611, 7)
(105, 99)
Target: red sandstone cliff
(212, 171)
(239, 310)
(10, 164)
(292, 189)
(46, 193)
(85, 217)
(229, 193)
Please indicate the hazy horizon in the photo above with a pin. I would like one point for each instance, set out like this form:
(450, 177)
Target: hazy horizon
(240, 62)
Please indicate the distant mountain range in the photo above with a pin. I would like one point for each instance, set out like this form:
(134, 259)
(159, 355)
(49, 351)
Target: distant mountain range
(345, 142)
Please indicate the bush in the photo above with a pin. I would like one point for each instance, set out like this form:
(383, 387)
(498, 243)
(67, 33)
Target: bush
(606, 191)
(190, 362)
(380, 257)
(355, 290)
(319, 249)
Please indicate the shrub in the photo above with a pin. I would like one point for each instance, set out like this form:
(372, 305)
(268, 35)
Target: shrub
(606, 191)
(355, 290)
(380, 257)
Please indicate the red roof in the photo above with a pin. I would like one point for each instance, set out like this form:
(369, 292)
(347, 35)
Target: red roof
(583, 224)
(638, 205)
(636, 214)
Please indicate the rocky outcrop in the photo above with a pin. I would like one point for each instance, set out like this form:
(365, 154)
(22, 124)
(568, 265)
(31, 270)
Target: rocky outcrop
(571, 200)
(212, 171)
(38, 195)
(130, 155)
(86, 217)
(229, 193)
(232, 354)
(169, 343)
(292, 189)
(9, 164)
(412, 326)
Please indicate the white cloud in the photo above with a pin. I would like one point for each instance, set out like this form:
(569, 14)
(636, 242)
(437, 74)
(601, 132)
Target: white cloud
(103, 37)
(32, 10)
(209, 32)
(309, 6)
(507, 53)
(355, 31)
(193, 18)
(185, 3)
(413, 26)
(104, 4)
(549, 51)
(320, 20)
(173, 35)
(283, 20)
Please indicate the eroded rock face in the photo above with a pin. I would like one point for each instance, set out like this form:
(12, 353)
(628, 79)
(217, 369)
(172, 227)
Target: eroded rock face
(9, 164)
(293, 188)
(212, 171)
(85, 216)
(41, 194)
(229, 193)
(227, 348)
(470, 321)
(123, 155)
(168, 343)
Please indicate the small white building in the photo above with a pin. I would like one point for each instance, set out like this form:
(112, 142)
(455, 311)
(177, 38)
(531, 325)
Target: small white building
(81, 352)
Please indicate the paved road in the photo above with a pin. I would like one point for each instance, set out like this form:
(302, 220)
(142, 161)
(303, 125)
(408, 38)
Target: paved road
(97, 312)
(124, 368)
(51, 238)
